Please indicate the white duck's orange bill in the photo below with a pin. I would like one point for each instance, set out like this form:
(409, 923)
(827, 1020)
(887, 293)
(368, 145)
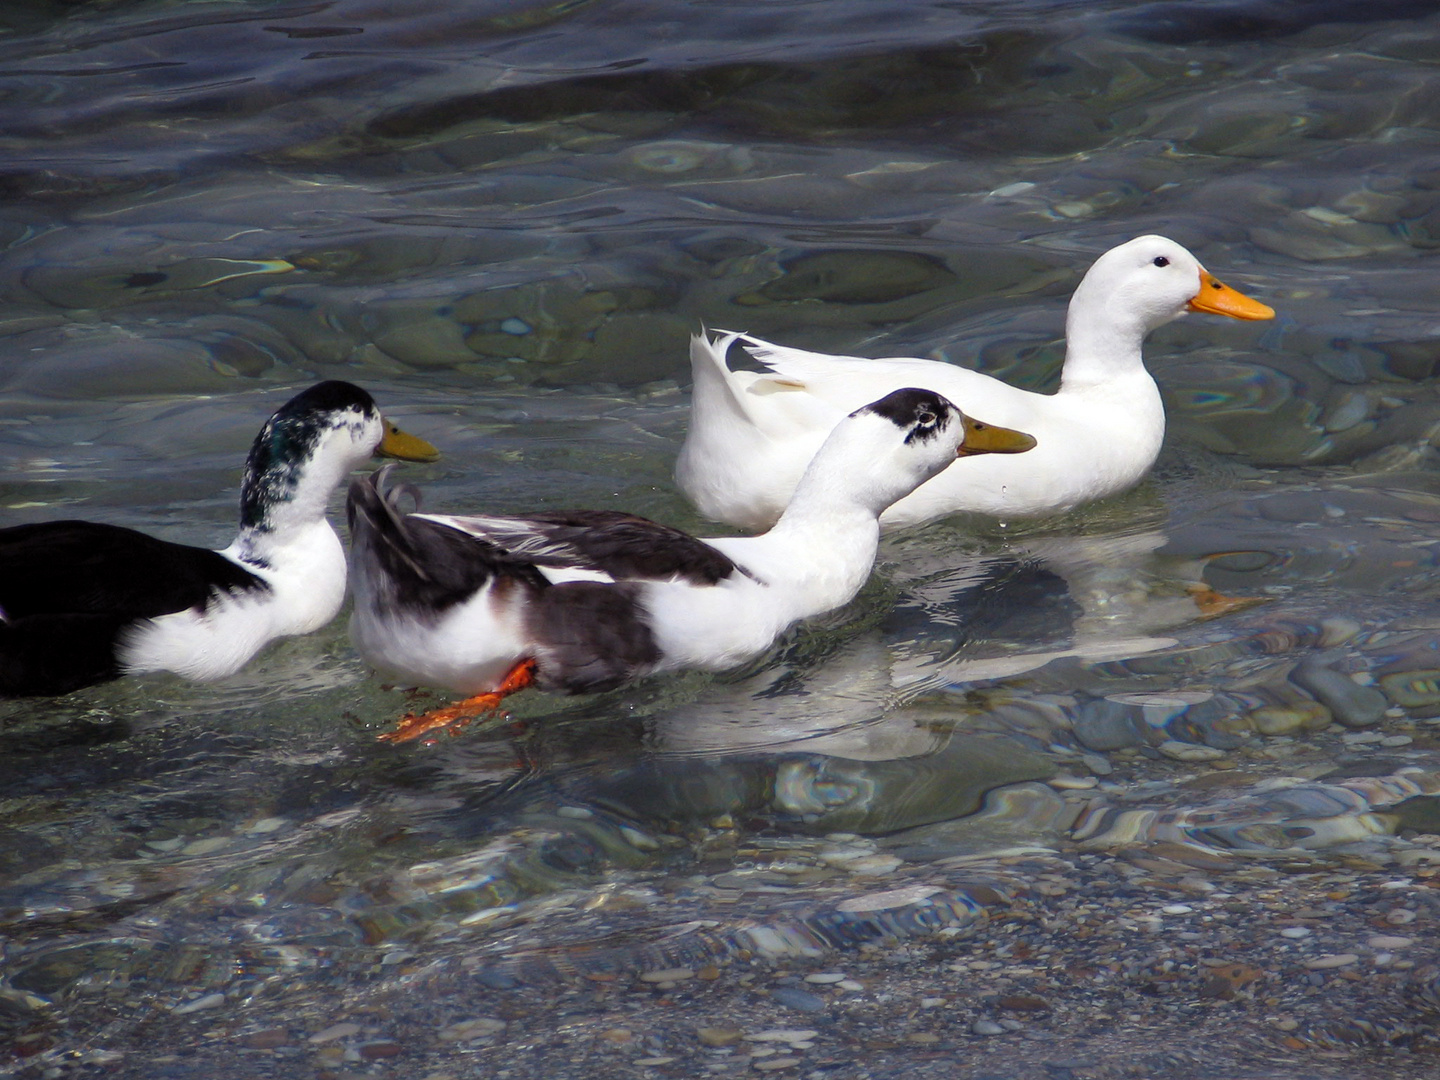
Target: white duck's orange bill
(981, 438)
(1219, 299)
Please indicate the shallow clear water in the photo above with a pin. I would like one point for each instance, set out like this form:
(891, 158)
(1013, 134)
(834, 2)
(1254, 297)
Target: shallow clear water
(504, 220)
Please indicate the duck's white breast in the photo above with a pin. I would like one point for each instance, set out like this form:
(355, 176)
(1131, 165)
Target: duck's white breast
(306, 575)
(468, 648)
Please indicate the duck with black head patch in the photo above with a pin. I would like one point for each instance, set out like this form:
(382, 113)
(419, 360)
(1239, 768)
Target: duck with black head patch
(588, 600)
(82, 601)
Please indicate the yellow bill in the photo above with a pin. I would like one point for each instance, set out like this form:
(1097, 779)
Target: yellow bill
(981, 438)
(1219, 299)
(403, 445)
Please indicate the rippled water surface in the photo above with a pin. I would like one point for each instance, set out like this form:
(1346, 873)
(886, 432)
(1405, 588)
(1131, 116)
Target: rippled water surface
(504, 220)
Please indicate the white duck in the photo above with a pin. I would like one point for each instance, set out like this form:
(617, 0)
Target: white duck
(752, 434)
(82, 601)
(588, 600)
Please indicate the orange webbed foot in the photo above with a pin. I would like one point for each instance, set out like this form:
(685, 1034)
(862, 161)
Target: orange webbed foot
(1213, 604)
(453, 718)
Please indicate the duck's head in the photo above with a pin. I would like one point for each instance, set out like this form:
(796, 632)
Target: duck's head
(1150, 281)
(897, 443)
(309, 445)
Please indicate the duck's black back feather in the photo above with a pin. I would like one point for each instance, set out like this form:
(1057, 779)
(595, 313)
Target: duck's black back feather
(68, 588)
(626, 546)
(84, 567)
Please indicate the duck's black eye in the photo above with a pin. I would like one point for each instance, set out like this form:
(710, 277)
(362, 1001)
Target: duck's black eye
(925, 418)
(1161, 260)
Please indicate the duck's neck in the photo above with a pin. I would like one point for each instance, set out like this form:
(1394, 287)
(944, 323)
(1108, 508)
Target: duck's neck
(824, 543)
(1103, 341)
(282, 500)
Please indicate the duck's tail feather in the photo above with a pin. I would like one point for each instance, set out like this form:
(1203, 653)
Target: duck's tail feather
(378, 529)
(724, 410)
(715, 388)
(404, 561)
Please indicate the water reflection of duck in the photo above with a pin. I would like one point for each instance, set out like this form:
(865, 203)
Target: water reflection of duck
(846, 705)
(1111, 595)
(82, 601)
(587, 600)
(752, 434)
